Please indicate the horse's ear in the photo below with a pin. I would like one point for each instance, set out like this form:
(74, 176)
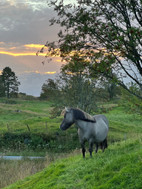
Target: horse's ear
(63, 112)
(67, 109)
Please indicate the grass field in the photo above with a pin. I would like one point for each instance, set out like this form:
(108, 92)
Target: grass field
(120, 163)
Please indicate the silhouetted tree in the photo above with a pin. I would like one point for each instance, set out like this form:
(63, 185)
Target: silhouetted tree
(49, 90)
(2, 89)
(10, 82)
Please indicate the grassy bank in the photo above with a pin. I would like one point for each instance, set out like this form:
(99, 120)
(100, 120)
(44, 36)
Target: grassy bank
(118, 167)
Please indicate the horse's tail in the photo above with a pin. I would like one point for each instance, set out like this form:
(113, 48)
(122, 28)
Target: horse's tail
(104, 144)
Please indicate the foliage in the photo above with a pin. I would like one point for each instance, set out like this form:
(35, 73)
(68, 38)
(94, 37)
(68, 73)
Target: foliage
(107, 90)
(107, 33)
(9, 83)
(75, 88)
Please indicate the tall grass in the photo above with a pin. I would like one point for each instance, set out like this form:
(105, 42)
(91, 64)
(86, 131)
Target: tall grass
(13, 170)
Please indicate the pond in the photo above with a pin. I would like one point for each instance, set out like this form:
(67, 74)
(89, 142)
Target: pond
(19, 157)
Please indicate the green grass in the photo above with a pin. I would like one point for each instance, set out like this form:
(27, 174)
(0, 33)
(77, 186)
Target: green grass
(118, 167)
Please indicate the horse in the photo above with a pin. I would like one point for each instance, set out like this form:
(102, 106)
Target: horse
(93, 129)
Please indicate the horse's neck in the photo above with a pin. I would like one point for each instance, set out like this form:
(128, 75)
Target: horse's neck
(81, 124)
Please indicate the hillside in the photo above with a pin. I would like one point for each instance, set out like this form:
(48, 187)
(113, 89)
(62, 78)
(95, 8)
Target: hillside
(118, 167)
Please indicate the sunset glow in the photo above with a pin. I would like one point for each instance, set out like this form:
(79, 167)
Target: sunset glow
(21, 54)
(24, 50)
(50, 72)
(42, 73)
(36, 46)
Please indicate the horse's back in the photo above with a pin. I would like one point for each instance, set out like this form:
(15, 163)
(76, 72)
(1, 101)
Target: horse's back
(101, 127)
(101, 116)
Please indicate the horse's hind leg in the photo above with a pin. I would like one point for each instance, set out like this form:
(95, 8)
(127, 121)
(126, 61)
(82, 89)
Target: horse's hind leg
(83, 149)
(90, 148)
(96, 149)
(104, 145)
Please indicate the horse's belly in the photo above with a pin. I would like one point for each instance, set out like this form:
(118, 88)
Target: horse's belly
(101, 134)
(86, 136)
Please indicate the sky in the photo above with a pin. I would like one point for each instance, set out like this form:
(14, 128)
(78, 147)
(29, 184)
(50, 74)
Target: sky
(24, 29)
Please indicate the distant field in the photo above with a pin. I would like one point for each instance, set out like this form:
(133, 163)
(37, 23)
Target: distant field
(15, 117)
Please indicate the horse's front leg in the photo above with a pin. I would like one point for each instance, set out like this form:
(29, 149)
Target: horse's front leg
(83, 148)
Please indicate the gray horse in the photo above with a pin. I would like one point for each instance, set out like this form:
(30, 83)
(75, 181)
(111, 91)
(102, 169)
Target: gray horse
(93, 129)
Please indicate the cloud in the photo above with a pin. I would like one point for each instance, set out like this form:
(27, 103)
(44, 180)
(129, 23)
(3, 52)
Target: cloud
(20, 50)
(42, 73)
(36, 46)
(36, 81)
(21, 21)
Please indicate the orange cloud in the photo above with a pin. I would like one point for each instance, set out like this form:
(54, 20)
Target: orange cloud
(50, 72)
(24, 50)
(36, 46)
(36, 71)
(21, 54)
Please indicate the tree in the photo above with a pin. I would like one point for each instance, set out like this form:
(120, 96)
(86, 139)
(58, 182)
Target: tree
(49, 90)
(111, 89)
(78, 89)
(2, 91)
(108, 33)
(10, 82)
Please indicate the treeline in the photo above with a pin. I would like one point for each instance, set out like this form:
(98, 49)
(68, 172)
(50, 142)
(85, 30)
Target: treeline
(87, 94)
(74, 87)
(77, 91)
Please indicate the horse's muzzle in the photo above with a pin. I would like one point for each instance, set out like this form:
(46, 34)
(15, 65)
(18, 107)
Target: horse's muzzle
(62, 128)
(65, 125)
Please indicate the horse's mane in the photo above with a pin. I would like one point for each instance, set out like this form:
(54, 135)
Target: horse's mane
(81, 115)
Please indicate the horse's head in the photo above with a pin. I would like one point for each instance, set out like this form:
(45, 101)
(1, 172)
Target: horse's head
(68, 119)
